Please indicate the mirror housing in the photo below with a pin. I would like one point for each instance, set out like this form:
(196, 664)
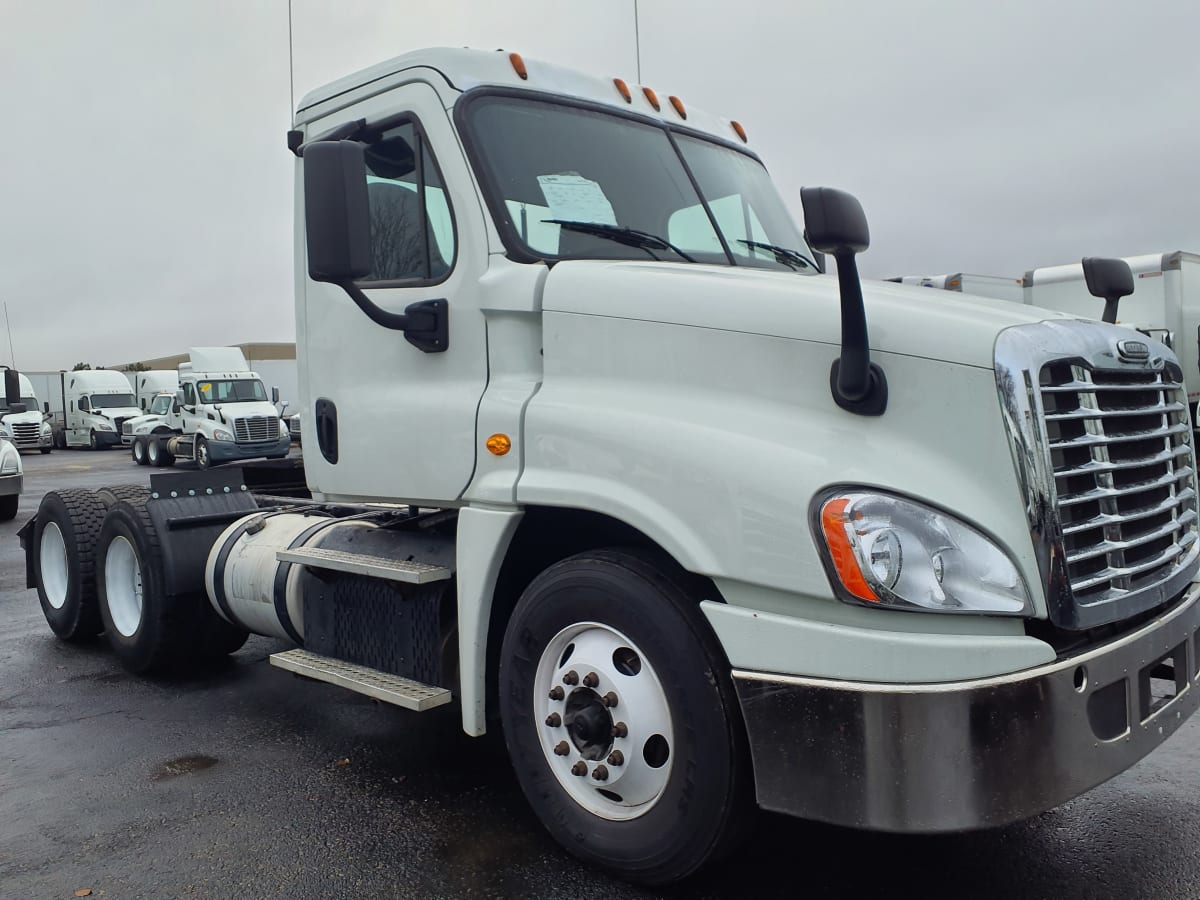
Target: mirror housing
(835, 223)
(275, 394)
(179, 398)
(337, 218)
(1109, 279)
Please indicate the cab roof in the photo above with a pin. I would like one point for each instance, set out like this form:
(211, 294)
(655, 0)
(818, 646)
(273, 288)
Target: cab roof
(464, 69)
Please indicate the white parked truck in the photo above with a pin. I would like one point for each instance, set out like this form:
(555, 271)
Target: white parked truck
(98, 401)
(152, 382)
(613, 467)
(221, 412)
(22, 419)
(1000, 287)
(12, 479)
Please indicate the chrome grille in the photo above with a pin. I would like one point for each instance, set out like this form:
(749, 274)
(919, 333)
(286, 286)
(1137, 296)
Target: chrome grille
(126, 428)
(1121, 461)
(26, 431)
(255, 429)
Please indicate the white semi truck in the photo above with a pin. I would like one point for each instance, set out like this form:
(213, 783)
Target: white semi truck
(220, 412)
(98, 401)
(22, 419)
(152, 382)
(614, 468)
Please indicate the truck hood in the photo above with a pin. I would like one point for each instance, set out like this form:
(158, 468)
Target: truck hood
(234, 411)
(29, 417)
(912, 321)
(117, 413)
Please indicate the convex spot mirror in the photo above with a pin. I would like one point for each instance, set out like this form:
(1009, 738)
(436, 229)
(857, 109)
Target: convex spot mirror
(337, 219)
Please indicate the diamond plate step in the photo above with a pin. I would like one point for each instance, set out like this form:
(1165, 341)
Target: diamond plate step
(359, 564)
(380, 685)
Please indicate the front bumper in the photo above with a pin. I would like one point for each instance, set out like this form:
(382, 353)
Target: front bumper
(11, 484)
(224, 451)
(107, 438)
(970, 754)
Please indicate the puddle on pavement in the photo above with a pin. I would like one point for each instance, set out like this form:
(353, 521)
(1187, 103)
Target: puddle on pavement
(183, 765)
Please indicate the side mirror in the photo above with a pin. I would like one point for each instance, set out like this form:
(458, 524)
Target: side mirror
(283, 407)
(46, 407)
(836, 224)
(178, 399)
(1110, 279)
(275, 395)
(337, 219)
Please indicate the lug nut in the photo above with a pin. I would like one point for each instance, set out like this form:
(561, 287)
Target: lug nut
(616, 758)
(571, 678)
(553, 720)
(620, 730)
(600, 773)
(591, 679)
(556, 693)
(609, 700)
(580, 768)
(562, 748)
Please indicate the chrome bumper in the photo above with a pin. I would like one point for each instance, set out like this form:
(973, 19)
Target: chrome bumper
(974, 754)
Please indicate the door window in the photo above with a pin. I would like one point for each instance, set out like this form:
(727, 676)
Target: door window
(412, 226)
(189, 394)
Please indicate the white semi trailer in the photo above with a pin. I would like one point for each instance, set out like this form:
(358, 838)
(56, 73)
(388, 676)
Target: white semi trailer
(614, 466)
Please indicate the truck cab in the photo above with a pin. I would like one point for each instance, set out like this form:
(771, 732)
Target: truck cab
(25, 424)
(152, 382)
(98, 403)
(161, 418)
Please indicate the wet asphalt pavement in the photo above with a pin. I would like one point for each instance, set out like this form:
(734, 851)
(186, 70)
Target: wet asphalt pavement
(247, 782)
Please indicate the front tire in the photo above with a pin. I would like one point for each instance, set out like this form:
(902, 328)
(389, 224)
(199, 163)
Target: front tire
(621, 719)
(45, 450)
(64, 566)
(200, 452)
(93, 444)
(8, 507)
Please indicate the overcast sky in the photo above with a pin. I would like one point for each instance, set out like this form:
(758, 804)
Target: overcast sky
(145, 184)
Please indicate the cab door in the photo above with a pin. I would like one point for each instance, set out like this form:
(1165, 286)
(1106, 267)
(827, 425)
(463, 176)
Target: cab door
(384, 419)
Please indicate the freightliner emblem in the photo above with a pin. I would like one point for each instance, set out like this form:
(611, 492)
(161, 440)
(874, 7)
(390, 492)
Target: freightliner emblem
(1134, 351)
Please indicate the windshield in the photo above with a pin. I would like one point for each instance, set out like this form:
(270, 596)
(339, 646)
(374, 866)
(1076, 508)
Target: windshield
(234, 390)
(655, 194)
(31, 404)
(161, 406)
(112, 401)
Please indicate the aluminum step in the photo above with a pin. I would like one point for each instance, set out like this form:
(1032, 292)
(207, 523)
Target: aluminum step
(360, 564)
(360, 679)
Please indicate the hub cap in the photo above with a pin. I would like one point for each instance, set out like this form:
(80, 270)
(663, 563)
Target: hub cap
(52, 557)
(604, 723)
(123, 586)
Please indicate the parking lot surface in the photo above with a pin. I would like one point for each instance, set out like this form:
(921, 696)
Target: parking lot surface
(244, 781)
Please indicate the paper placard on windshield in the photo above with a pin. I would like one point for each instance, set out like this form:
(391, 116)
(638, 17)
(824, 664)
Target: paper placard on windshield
(576, 199)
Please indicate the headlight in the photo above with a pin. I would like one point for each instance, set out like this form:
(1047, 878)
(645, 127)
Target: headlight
(10, 464)
(284, 431)
(888, 551)
(105, 426)
(46, 428)
(220, 434)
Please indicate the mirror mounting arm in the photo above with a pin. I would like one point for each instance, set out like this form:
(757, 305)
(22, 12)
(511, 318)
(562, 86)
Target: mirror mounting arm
(426, 323)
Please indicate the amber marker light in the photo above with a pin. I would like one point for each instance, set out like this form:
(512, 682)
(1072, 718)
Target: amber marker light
(678, 104)
(741, 132)
(623, 89)
(518, 65)
(652, 97)
(499, 444)
(833, 524)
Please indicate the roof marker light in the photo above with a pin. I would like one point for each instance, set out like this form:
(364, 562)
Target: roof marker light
(678, 104)
(741, 132)
(652, 97)
(518, 65)
(623, 89)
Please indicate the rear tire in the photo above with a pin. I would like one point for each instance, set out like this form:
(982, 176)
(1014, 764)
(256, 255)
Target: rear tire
(111, 495)
(45, 450)
(8, 507)
(680, 791)
(157, 453)
(138, 452)
(64, 567)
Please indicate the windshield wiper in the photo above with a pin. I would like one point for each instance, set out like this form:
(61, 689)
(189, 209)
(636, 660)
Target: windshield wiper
(631, 237)
(783, 255)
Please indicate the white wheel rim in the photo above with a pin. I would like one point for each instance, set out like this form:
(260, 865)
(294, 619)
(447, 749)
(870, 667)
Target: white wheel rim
(52, 557)
(123, 586)
(638, 765)
(138, 450)
(152, 450)
(202, 454)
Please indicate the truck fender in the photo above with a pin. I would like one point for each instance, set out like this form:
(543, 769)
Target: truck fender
(484, 535)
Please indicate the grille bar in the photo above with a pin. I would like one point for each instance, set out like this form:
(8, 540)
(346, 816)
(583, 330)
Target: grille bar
(1077, 386)
(1114, 572)
(1102, 493)
(1106, 519)
(1121, 412)
(1094, 467)
(1092, 440)
(1106, 547)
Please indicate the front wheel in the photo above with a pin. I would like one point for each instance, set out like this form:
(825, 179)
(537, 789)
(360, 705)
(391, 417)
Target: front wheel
(203, 460)
(621, 719)
(8, 507)
(93, 444)
(45, 450)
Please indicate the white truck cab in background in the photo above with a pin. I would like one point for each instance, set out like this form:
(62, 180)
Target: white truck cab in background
(150, 383)
(26, 425)
(998, 286)
(221, 412)
(98, 402)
